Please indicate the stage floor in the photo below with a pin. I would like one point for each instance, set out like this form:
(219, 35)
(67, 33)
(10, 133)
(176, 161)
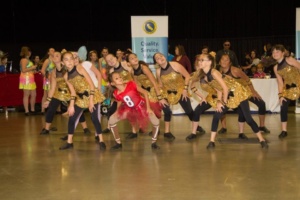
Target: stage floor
(33, 167)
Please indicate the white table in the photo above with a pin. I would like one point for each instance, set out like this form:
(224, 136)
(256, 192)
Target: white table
(267, 88)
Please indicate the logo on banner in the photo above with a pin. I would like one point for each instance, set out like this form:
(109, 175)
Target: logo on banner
(150, 27)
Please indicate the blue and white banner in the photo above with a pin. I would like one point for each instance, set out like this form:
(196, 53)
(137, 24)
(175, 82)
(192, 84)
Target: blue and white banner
(149, 35)
(297, 34)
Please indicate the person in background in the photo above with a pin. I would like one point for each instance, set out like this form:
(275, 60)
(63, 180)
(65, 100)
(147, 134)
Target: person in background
(288, 78)
(252, 72)
(47, 67)
(27, 82)
(120, 55)
(3, 64)
(181, 57)
(288, 52)
(267, 60)
(3, 69)
(93, 58)
(36, 60)
(250, 60)
(103, 68)
(205, 49)
(260, 71)
(226, 50)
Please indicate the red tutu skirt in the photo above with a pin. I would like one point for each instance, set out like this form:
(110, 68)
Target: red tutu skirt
(137, 116)
(156, 108)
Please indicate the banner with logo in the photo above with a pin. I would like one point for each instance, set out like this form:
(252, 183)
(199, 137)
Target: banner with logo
(149, 35)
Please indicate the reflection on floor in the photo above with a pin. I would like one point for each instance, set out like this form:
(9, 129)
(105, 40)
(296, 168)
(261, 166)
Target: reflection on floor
(32, 167)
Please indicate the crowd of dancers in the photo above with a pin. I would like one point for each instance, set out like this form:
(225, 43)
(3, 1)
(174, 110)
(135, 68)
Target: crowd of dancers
(132, 92)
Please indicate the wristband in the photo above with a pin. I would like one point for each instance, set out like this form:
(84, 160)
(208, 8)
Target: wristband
(73, 98)
(49, 99)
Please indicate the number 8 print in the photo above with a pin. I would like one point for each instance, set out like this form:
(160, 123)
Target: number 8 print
(128, 101)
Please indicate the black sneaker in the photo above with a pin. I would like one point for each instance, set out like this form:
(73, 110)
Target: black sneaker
(131, 136)
(64, 138)
(27, 114)
(200, 130)
(86, 131)
(66, 146)
(154, 146)
(222, 131)
(116, 146)
(107, 130)
(191, 137)
(264, 144)
(264, 129)
(97, 138)
(211, 145)
(169, 136)
(33, 112)
(243, 136)
(102, 145)
(44, 132)
(283, 134)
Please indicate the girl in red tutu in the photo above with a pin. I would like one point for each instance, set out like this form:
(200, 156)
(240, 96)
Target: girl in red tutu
(131, 106)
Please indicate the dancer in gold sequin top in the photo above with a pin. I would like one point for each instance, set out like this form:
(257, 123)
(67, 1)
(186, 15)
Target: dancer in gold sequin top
(58, 93)
(173, 80)
(83, 95)
(230, 94)
(226, 68)
(288, 79)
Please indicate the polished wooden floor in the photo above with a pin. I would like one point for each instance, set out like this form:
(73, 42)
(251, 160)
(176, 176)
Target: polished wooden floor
(33, 167)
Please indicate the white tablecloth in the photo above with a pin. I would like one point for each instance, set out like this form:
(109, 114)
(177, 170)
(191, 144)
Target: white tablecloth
(267, 88)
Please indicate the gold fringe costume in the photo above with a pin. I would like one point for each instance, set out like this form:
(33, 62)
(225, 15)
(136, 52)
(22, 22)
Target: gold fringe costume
(173, 84)
(291, 80)
(237, 92)
(82, 90)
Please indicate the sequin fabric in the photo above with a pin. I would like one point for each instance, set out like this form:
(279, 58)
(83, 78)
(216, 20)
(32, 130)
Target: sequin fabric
(82, 90)
(291, 82)
(173, 84)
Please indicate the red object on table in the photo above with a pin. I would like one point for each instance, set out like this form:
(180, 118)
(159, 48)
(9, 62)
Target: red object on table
(11, 95)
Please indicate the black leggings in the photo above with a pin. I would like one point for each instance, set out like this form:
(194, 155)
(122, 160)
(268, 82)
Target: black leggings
(200, 109)
(284, 110)
(243, 109)
(51, 111)
(73, 120)
(112, 109)
(186, 105)
(261, 108)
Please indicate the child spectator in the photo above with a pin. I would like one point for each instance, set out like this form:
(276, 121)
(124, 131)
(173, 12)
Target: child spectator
(260, 71)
